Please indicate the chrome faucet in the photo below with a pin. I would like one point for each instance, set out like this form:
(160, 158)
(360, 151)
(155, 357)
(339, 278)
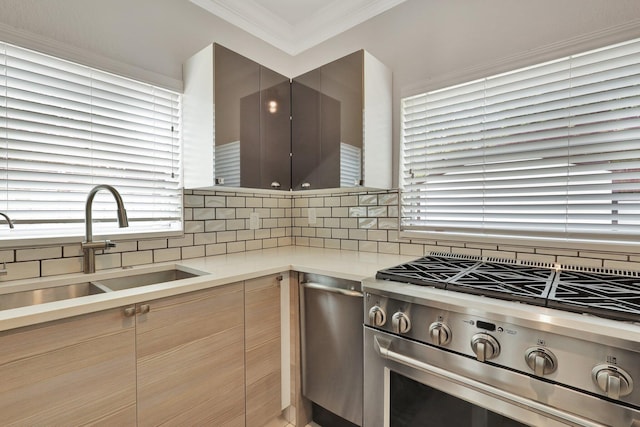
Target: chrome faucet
(89, 246)
(8, 219)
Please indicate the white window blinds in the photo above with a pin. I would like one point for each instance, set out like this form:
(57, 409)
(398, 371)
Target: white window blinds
(551, 150)
(65, 128)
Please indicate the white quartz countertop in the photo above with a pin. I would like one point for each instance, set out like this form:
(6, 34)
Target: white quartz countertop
(220, 270)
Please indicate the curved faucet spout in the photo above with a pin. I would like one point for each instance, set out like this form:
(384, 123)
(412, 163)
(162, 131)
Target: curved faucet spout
(89, 246)
(8, 219)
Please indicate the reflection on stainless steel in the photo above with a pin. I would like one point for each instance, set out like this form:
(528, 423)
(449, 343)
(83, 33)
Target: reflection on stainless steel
(136, 280)
(533, 365)
(89, 246)
(331, 323)
(41, 296)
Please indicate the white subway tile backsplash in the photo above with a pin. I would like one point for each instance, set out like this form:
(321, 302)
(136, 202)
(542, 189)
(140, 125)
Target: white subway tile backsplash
(226, 236)
(108, 260)
(194, 226)
(411, 249)
(331, 201)
(367, 246)
(368, 200)
(358, 211)
(252, 245)
(269, 203)
(204, 238)
(332, 243)
(217, 249)
(21, 270)
(235, 202)
(349, 201)
(137, 258)
(215, 225)
(246, 235)
(200, 214)
(53, 267)
(192, 252)
(218, 223)
(236, 224)
(367, 223)
(225, 213)
(193, 201)
(7, 256)
(38, 254)
(349, 245)
(377, 211)
(316, 202)
(215, 201)
(284, 203)
(388, 199)
(233, 247)
(270, 243)
(164, 255)
(186, 240)
(144, 245)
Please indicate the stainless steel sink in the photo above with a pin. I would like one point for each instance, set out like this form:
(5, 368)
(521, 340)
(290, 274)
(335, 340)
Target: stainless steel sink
(144, 279)
(41, 296)
(92, 287)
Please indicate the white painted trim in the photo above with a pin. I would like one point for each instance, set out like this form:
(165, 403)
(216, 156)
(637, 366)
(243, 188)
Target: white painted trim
(332, 19)
(71, 53)
(285, 343)
(571, 46)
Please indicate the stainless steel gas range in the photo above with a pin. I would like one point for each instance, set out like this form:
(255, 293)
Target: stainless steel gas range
(464, 341)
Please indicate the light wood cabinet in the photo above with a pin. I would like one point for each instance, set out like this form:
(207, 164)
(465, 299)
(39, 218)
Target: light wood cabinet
(263, 350)
(211, 357)
(190, 359)
(74, 371)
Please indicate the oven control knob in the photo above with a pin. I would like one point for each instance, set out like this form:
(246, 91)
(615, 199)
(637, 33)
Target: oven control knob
(614, 381)
(377, 317)
(401, 323)
(485, 346)
(541, 361)
(440, 333)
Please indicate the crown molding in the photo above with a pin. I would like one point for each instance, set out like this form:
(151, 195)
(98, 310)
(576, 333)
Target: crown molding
(332, 19)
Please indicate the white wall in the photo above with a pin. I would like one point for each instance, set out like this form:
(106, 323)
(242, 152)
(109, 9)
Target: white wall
(427, 43)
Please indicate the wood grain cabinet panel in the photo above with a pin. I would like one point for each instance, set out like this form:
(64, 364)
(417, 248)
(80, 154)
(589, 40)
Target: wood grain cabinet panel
(190, 352)
(75, 371)
(262, 350)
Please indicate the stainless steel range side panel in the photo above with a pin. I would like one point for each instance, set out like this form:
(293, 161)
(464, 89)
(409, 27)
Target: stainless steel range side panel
(502, 391)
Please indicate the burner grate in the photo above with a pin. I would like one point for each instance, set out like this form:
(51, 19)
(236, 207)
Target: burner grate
(603, 292)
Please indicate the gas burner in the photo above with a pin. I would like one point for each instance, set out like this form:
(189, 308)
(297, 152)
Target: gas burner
(613, 296)
(506, 281)
(427, 271)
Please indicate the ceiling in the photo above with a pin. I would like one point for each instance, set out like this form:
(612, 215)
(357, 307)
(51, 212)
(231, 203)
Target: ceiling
(296, 25)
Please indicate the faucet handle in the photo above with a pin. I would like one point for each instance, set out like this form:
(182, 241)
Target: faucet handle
(109, 244)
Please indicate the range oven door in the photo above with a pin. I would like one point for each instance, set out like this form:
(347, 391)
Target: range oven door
(411, 384)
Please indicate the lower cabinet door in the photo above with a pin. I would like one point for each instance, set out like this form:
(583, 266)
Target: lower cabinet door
(190, 359)
(262, 350)
(69, 372)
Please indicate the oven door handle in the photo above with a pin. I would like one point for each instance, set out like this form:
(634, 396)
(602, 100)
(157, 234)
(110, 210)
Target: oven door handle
(382, 346)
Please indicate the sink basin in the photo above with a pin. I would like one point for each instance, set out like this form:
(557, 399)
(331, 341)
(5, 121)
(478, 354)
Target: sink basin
(41, 296)
(144, 279)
